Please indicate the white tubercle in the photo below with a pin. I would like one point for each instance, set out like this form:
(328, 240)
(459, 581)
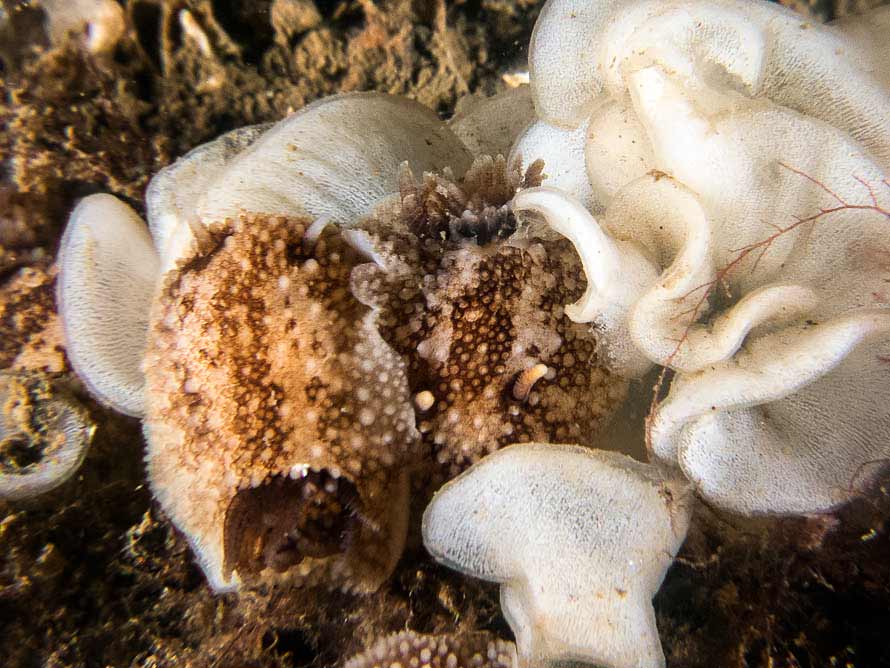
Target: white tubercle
(108, 274)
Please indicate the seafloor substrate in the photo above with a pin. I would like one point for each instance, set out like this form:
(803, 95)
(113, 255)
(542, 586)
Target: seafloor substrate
(93, 575)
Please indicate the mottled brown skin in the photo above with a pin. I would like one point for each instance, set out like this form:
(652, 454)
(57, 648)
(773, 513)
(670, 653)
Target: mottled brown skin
(285, 416)
(474, 305)
(413, 650)
(279, 422)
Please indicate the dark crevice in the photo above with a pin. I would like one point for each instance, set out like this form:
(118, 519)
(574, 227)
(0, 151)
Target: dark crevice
(248, 24)
(284, 520)
(147, 22)
(291, 644)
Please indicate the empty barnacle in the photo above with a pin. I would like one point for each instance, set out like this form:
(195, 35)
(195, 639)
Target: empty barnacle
(474, 303)
(415, 650)
(44, 435)
(579, 540)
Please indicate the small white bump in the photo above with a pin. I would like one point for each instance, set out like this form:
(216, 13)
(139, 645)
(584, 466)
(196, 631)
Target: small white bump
(366, 417)
(424, 400)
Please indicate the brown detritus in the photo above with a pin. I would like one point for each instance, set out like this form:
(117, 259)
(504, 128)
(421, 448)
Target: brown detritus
(21, 32)
(826, 10)
(291, 18)
(473, 304)
(28, 221)
(71, 119)
(781, 592)
(478, 650)
(77, 123)
(259, 352)
(30, 332)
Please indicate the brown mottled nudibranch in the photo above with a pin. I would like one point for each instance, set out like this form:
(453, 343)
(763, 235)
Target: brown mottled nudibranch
(265, 374)
(474, 304)
(413, 650)
(316, 331)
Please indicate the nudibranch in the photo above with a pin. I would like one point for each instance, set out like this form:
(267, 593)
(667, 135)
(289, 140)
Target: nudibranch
(278, 423)
(264, 375)
(475, 307)
(413, 650)
(303, 327)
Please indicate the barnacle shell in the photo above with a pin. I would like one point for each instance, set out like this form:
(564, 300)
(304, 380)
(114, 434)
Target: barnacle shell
(44, 435)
